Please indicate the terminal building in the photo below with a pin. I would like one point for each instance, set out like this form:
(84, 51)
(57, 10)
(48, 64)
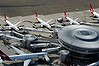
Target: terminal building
(81, 41)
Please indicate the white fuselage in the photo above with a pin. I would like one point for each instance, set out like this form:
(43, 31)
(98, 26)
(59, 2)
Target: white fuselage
(27, 56)
(11, 25)
(96, 14)
(44, 23)
(40, 45)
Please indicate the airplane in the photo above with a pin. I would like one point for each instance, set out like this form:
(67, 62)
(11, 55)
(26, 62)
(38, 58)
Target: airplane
(70, 19)
(34, 30)
(27, 58)
(94, 13)
(51, 49)
(14, 26)
(6, 35)
(43, 23)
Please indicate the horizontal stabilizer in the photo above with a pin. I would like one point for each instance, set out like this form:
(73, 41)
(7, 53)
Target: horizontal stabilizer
(5, 17)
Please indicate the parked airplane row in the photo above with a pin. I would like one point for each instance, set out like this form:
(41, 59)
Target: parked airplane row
(46, 23)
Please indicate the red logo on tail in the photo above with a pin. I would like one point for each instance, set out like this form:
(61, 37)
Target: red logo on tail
(91, 9)
(5, 18)
(65, 15)
(36, 16)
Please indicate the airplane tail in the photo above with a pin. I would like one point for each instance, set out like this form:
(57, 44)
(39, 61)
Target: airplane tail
(65, 15)
(36, 14)
(4, 56)
(91, 8)
(5, 18)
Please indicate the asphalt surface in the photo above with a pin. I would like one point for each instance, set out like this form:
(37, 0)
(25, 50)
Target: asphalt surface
(28, 7)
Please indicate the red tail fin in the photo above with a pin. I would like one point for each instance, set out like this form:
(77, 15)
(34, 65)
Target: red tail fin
(5, 18)
(4, 56)
(91, 8)
(36, 15)
(65, 15)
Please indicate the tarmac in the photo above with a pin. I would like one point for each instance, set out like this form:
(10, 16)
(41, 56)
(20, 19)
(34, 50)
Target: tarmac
(28, 7)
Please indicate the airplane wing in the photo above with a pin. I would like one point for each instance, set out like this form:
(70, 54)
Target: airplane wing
(76, 19)
(10, 37)
(26, 62)
(49, 20)
(19, 22)
(12, 62)
(18, 50)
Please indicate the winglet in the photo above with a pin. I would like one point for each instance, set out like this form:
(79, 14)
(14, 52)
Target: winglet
(65, 15)
(91, 8)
